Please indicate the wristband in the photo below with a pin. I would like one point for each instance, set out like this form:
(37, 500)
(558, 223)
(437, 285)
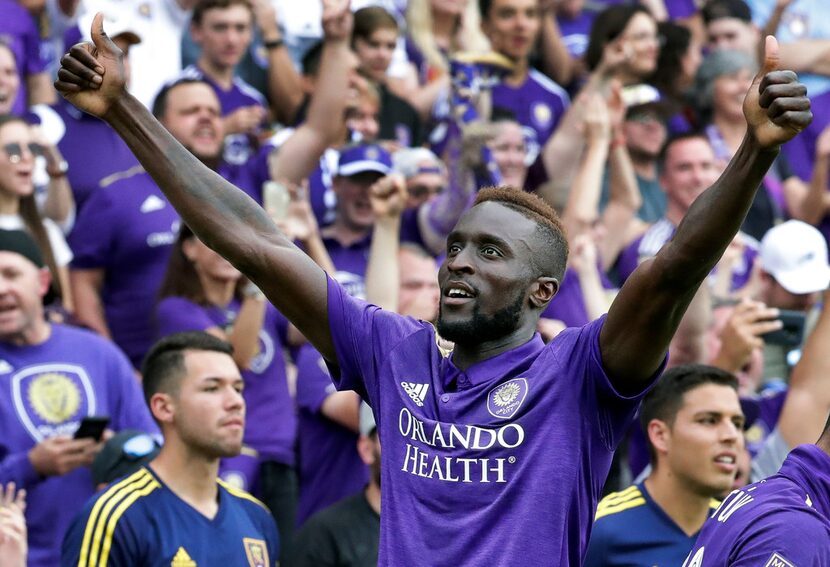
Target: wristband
(272, 44)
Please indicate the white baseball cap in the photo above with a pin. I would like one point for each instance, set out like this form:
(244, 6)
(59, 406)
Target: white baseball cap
(795, 254)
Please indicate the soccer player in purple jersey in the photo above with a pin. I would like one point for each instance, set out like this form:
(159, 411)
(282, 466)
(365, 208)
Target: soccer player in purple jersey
(497, 453)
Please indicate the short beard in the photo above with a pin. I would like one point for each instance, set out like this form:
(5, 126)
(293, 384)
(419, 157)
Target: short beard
(483, 328)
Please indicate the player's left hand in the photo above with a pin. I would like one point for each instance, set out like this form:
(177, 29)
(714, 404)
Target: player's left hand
(776, 107)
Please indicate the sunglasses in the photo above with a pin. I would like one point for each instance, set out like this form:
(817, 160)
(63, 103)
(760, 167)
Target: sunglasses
(15, 151)
(419, 191)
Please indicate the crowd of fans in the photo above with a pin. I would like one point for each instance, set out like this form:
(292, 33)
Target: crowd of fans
(366, 152)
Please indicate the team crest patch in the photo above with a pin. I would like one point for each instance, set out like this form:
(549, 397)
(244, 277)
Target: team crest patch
(777, 561)
(256, 552)
(50, 399)
(542, 114)
(504, 400)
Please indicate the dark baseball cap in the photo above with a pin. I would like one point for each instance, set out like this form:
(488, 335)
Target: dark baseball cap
(719, 9)
(123, 454)
(22, 243)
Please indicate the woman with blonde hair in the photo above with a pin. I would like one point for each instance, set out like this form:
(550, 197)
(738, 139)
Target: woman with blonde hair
(437, 30)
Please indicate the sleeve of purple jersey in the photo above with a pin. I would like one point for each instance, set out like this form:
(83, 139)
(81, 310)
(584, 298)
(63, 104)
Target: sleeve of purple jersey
(362, 334)
(614, 412)
(92, 238)
(796, 539)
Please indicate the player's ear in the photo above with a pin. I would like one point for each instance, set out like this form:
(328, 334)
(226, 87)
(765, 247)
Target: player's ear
(659, 434)
(542, 290)
(163, 407)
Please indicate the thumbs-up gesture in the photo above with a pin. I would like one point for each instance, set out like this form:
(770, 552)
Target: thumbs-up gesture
(776, 107)
(92, 75)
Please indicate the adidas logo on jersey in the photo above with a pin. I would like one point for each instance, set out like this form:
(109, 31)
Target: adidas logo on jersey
(151, 203)
(418, 392)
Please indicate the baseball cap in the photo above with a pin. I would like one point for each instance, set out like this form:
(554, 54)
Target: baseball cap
(116, 23)
(361, 158)
(123, 454)
(718, 9)
(20, 242)
(795, 254)
(643, 96)
(367, 420)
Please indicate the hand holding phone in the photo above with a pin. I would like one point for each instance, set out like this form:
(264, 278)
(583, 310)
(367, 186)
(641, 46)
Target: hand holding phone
(92, 428)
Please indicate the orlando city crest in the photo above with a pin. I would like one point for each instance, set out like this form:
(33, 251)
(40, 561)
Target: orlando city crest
(504, 400)
(256, 551)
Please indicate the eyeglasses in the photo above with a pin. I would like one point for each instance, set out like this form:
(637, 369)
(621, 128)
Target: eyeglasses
(420, 191)
(15, 150)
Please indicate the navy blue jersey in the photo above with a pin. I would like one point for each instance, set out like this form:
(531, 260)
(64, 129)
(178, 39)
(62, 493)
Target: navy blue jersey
(631, 529)
(138, 521)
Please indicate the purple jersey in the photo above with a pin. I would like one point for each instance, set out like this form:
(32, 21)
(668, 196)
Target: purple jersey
(270, 422)
(19, 31)
(329, 466)
(538, 105)
(500, 463)
(783, 521)
(351, 262)
(568, 305)
(238, 147)
(127, 229)
(652, 240)
(45, 390)
(92, 149)
(575, 32)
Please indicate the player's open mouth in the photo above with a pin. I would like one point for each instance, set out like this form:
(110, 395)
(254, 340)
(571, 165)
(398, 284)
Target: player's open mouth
(458, 293)
(726, 462)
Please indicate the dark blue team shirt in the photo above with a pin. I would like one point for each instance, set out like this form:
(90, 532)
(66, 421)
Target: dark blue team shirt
(138, 521)
(631, 529)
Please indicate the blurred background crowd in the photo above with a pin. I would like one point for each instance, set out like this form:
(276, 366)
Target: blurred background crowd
(617, 113)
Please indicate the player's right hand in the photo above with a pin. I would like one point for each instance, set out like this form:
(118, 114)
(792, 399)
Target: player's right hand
(59, 455)
(92, 75)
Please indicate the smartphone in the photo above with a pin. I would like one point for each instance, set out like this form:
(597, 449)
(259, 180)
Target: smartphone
(275, 199)
(791, 332)
(92, 427)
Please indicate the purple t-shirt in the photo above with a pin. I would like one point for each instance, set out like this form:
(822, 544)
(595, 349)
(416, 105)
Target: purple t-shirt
(351, 262)
(127, 229)
(238, 147)
(568, 305)
(781, 521)
(92, 149)
(538, 105)
(329, 467)
(500, 463)
(270, 422)
(18, 31)
(45, 390)
(576, 31)
(651, 241)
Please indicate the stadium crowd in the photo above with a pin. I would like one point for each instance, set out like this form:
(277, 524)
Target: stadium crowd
(237, 432)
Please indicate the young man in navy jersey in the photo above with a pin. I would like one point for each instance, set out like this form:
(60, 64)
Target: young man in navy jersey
(498, 451)
(783, 521)
(694, 422)
(175, 510)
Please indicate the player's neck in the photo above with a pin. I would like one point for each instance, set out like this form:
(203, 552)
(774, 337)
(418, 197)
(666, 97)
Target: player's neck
(464, 356)
(521, 69)
(218, 293)
(9, 204)
(190, 476)
(686, 508)
(223, 76)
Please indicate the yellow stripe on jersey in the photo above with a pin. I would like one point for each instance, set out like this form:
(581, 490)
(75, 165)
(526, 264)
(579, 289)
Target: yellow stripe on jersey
(112, 491)
(113, 521)
(609, 510)
(239, 493)
(619, 497)
(97, 537)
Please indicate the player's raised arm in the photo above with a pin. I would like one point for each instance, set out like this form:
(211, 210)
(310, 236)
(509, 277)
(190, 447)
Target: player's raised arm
(649, 307)
(92, 78)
